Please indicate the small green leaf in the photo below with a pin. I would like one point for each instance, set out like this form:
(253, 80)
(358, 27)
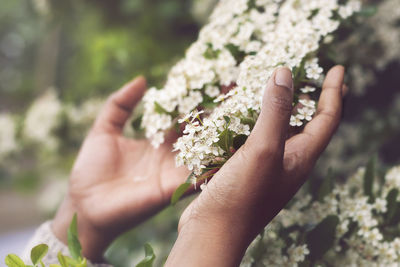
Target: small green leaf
(227, 119)
(368, 11)
(149, 257)
(179, 192)
(62, 260)
(239, 140)
(210, 53)
(82, 263)
(13, 260)
(55, 265)
(236, 52)
(249, 122)
(159, 109)
(320, 239)
(326, 186)
(74, 245)
(38, 252)
(71, 261)
(369, 179)
(137, 123)
(208, 102)
(225, 140)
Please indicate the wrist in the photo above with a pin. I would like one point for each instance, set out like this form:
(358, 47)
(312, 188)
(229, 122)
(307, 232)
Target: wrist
(209, 243)
(93, 243)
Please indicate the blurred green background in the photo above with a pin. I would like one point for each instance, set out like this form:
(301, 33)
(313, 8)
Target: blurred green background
(79, 50)
(59, 59)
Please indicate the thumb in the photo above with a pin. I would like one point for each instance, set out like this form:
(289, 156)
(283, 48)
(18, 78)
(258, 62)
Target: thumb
(269, 133)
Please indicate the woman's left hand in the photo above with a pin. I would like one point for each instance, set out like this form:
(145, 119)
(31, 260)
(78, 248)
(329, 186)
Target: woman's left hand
(116, 182)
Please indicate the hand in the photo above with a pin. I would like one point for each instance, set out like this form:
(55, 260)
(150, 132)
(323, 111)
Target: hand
(116, 182)
(260, 178)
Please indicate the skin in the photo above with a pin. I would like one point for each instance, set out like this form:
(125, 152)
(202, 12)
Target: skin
(241, 199)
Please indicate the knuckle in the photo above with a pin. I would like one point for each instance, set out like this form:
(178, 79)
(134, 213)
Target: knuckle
(111, 99)
(261, 151)
(280, 104)
(293, 161)
(188, 215)
(297, 164)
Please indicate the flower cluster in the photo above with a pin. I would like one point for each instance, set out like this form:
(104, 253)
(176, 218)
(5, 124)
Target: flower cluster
(224, 72)
(355, 224)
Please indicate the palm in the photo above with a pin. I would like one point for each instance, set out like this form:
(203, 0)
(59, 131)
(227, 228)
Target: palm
(125, 180)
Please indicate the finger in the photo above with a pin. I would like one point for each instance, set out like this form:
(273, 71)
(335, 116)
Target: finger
(317, 133)
(271, 128)
(119, 106)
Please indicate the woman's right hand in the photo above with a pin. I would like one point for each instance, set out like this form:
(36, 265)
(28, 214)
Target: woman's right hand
(259, 180)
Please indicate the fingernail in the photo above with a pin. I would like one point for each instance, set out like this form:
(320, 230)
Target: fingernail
(283, 77)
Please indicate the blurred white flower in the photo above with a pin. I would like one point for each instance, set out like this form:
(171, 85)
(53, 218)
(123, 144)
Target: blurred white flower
(85, 113)
(41, 120)
(8, 141)
(361, 238)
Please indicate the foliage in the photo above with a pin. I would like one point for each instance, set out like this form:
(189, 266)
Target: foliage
(149, 257)
(74, 246)
(39, 252)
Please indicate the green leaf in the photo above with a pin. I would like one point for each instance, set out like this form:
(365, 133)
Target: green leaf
(239, 140)
(369, 179)
(225, 140)
(62, 260)
(179, 192)
(13, 260)
(391, 199)
(320, 239)
(326, 186)
(38, 252)
(55, 265)
(137, 123)
(74, 245)
(149, 257)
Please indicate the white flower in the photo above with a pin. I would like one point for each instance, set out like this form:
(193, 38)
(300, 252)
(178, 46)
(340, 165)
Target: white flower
(314, 72)
(295, 121)
(306, 113)
(380, 205)
(308, 89)
(212, 91)
(308, 103)
(298, 254)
